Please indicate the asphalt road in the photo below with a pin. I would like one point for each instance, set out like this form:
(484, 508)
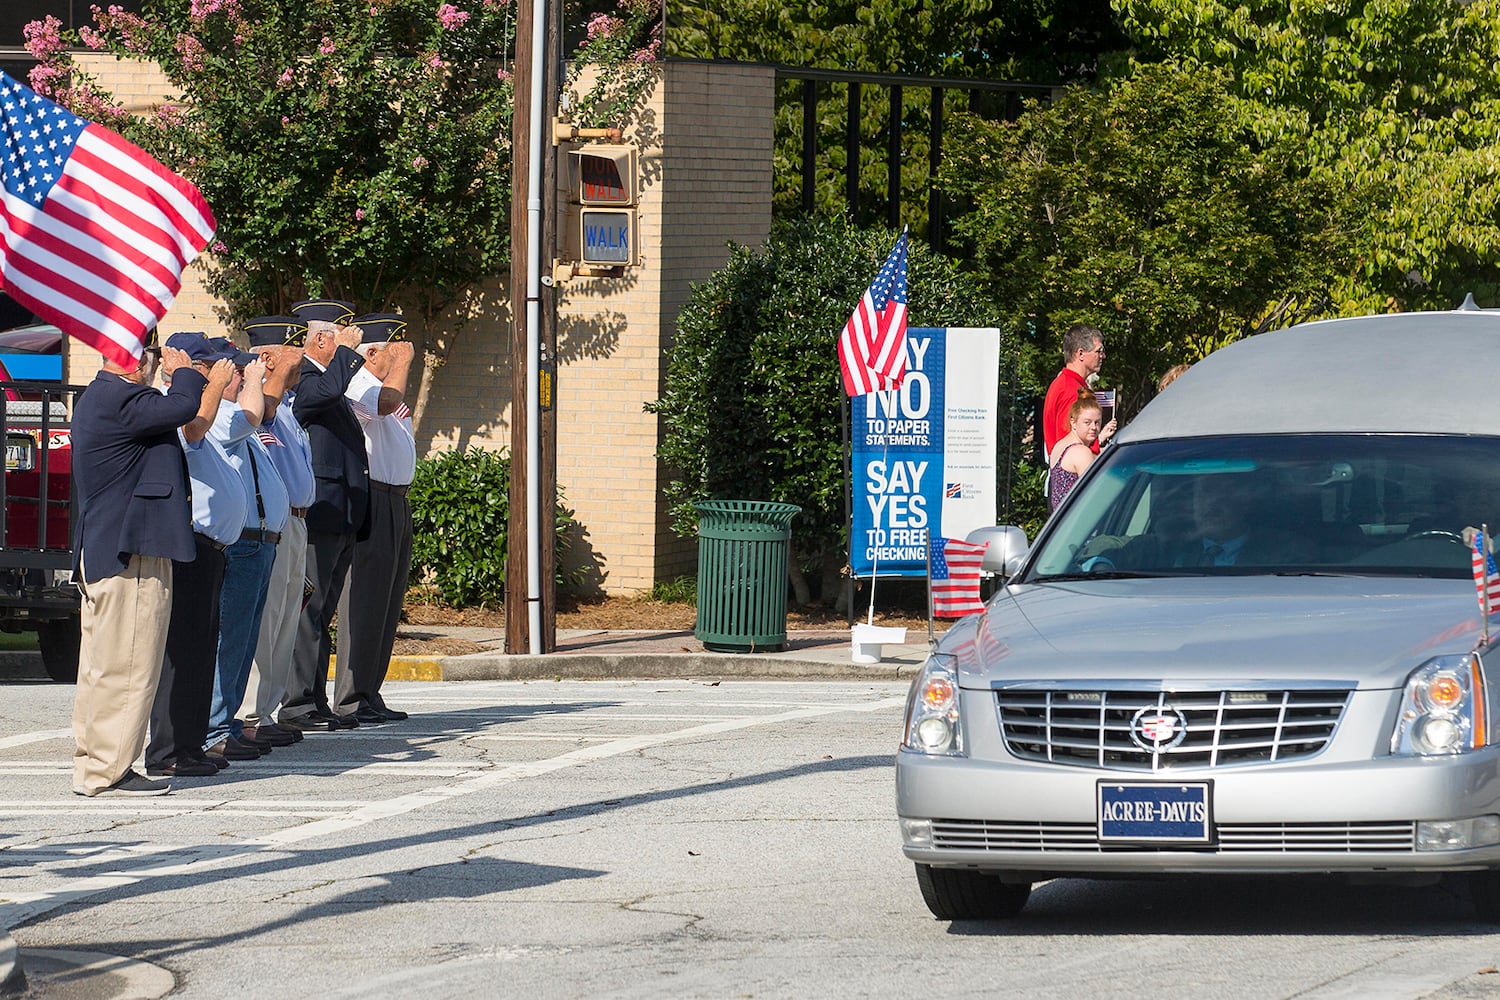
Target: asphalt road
(624, 839)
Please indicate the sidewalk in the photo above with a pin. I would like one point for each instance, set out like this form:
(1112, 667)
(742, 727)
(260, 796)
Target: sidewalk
(822, 654)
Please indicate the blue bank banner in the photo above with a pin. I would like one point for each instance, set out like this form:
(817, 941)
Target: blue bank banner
(924, 454)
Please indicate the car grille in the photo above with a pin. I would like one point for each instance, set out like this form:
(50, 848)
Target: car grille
(1281, 838)
(1113, 728)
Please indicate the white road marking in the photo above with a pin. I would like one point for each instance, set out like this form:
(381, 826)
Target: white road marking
(161, 860)
(22, 739)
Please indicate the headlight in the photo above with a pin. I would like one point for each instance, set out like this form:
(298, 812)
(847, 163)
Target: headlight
(1442, 708)
(933, 723)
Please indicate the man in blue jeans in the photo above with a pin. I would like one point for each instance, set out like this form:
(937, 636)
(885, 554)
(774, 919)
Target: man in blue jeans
(247, 562)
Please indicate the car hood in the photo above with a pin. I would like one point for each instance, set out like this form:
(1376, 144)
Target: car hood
(1187, 629)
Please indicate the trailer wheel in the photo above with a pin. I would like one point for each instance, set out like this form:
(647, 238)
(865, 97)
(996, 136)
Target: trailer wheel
(59, 641)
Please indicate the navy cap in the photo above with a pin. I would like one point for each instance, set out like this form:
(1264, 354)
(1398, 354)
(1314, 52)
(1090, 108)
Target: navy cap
(381, 328)
(228, 349)
(275, 331)
(330, 310)
(195, 345)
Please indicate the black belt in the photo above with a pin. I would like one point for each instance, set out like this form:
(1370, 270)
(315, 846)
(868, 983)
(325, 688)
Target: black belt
(399, 491)
(217, 546)
(257, 535)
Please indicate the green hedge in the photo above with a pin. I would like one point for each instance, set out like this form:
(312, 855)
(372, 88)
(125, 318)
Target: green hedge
(460, 508)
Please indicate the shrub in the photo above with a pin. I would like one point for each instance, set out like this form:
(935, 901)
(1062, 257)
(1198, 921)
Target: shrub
(750, 407)
(460, 507)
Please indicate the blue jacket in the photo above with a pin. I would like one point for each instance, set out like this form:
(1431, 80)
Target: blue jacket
(341, 468)
(129, 474)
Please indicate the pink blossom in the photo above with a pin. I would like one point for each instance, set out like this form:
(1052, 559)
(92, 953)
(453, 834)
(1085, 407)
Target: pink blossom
(44, 37)
(435, 62)
(219, 246)
(44, 77)
(285, 79)
(420, 163)
(202, 9)
(285, 121)
(359, 215)
(134, 30)
(451, 17)
(170, 116)
(192, 52)
(502, 74)
(91, 38)
(326, 46)
(602, 26)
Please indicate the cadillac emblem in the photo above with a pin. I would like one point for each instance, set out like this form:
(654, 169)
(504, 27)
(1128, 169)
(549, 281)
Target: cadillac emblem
(1157, 728)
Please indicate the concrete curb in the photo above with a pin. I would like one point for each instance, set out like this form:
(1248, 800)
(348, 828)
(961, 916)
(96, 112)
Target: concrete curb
(12, 976)
(644, 666)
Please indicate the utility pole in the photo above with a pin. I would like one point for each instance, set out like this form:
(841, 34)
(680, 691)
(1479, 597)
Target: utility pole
(518, 637)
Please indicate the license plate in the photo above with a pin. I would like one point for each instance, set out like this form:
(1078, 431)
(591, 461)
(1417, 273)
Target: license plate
(19, 456)
(1155, 812)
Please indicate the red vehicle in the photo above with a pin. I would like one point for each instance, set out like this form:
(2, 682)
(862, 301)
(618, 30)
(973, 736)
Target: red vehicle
(36, 557)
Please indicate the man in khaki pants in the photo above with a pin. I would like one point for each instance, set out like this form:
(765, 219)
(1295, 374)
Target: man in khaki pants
(133, 519)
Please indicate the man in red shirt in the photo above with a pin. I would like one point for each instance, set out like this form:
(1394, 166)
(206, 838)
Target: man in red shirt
(1083, 354)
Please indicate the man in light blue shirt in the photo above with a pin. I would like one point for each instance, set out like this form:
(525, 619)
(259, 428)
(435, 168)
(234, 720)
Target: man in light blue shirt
(179, 712)
(248, 561)
(278, 340)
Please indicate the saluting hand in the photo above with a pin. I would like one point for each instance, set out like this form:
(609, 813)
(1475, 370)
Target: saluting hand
(173, 359)
(220, 373)
(255, 371)
(349, 336)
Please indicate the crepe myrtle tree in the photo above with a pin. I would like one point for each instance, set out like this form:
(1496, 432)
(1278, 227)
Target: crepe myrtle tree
(752, 395)
(358, 149)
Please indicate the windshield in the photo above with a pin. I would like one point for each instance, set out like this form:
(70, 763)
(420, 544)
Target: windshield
(1363, 504)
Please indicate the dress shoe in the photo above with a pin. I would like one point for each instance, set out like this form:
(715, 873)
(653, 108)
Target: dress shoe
(296, 734)
(260, 746)
(232, 749)
(390, 714)
(183, 767)
(130, 784)
(218, 760)
(345, 722)
(269, 735)
(310, 723)
(366, 716)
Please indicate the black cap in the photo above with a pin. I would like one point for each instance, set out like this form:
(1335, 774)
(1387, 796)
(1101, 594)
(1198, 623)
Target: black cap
(330, 310)
(275, 331)
(381, 328)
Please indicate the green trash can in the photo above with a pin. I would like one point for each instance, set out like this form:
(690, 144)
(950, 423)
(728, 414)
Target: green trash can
(742, 555)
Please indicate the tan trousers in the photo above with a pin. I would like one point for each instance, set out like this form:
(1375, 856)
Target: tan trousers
(271, 671)
(124, 621)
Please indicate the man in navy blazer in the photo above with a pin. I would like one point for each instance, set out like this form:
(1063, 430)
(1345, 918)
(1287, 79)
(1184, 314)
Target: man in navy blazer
(132, 519)
(339, 514)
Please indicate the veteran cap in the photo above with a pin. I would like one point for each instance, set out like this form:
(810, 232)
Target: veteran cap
(381, 328)
(228, 349)
(276, 331)
(195, 345)
(329, 310)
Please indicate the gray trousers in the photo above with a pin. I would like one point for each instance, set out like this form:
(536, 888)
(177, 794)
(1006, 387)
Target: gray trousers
(328, 558)
(370, 609)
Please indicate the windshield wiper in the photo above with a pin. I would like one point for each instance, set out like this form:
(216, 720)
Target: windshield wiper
(1098, 574)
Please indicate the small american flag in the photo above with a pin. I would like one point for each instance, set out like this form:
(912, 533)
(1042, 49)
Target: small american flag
(94, 233)
(401, 412)
(267, 438)
(956, 568)
(1486, 575)
(872, 348)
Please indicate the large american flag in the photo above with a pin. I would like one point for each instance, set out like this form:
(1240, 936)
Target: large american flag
(94, 233)
(956, 567)
(1486, 575)
(872, 348)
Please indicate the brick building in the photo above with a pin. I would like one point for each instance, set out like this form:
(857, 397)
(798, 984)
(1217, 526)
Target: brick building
(705, 154)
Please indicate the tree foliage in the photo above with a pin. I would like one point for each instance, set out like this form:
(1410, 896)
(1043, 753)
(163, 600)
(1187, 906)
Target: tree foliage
(750, 408)
(1397, 104)
(353, 148)
(1145, 209)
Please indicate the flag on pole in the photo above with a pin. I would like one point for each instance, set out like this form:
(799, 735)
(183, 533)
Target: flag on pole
(1486, 575)
(956, 568)
(872, 348)
(94, 233)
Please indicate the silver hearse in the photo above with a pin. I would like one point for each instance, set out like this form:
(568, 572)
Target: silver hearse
(1250, 641)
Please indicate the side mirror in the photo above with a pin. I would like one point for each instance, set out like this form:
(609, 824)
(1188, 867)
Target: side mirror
(1008, 548)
